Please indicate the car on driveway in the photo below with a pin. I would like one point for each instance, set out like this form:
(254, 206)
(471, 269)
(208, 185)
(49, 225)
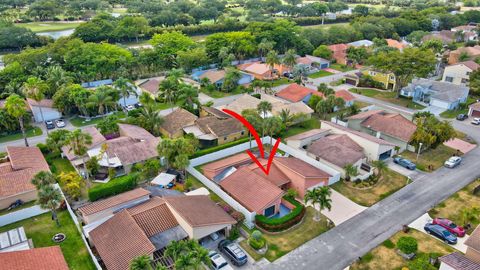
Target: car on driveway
(405, 163)
(218, 262)
(49, 124)
(462, 117)
(129, 108)
(60, 123)
(453, 162)
(450, 226)
(476, 121)
(441, 233)
(233, 252)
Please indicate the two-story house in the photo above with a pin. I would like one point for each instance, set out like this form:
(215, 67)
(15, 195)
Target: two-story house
(459, 74)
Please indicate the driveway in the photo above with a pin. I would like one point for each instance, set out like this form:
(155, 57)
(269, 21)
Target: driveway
(342, 208)
(434, 110)
(413, 174)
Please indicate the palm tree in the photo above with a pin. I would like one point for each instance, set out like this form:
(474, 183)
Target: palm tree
(232, 76)
(264, 46)
(167, 91)
(16, 107)
(149, 119)
(102, 100)
(35, 88)
(263, 108)
(188, 97)
(146, 99)
(188, 254)
(56, 78)
(287, 118)
(49, 197)
(254, 119)
(380, 166)
(350, 170)
(320, 196)
(289, 59)
(78, 143)
(43, 179)
(126, 88)
(273, 125)
(143, 262)
(272, 60)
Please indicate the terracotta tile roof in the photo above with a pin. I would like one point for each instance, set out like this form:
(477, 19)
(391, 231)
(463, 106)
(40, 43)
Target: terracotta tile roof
(45, 258)
(131, 151)
(153, 216)
(259, 68)
(464, 28)
(293, 108)
(199, 210)
(474, 240)
(104, 204)
(119, 240)
(345, 95)
(275, 176)
(392, 124)
(251, 190)
(300, 167)
(294, 92)
(338, 47)
(307, 134)
(458, 261)
(475, 106)
(177, 120)
(364, 115)
(216, 112)
(16, 176)
(134, 132)
(356, 133)
(470, 64)
(97, 139)
(396, 44)
(213, 75)
(339, 150)
(219, 127)
(47, 103)
(214, 168)
(150, 86)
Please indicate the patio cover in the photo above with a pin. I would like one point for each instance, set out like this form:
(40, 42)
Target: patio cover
(163, 179)
(161, 240)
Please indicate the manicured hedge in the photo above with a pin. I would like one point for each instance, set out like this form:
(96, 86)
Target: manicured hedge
(285, 222)
(218, 148)
(113, 187)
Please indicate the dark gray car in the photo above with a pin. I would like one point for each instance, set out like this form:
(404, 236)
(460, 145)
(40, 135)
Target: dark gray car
(441, 233)
(233, 252)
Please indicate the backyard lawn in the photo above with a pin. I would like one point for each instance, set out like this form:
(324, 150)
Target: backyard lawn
(435, 157)
(342, 68)
(36, 131)
(219, 94)
(391, 182)
(280, 244)
(80, 122)
(41, 229)
(312, 123)
(280, 81)
(388, 96)
(385, 256)
(49, 26)
(451, 207)
(319, 74)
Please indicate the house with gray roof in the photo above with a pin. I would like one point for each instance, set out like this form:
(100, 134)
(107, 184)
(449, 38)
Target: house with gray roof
(444, 95)
(361, 43)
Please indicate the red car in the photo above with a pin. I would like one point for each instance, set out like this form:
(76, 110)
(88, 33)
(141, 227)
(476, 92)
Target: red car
(450, 226)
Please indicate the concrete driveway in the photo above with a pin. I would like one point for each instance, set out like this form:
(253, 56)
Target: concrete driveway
(413, 174)
(342, 208)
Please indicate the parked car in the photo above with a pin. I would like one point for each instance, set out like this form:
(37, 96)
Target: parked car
(462, 117)
(404, 163)
(453, 162)
(450, 226)
(288, 75)
(441, 233)
(15, 204)
(218, 262)
(129, 108)
(60, 123)
(233, 252)
(138, 105)
(476, 121)
(49, 124)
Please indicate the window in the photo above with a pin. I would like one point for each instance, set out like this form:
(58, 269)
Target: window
(464, 80)
(269, 211)
(243, 132)
(448, 79)
(224, 138)
(468, 73)
(372, 73)
(392, 77)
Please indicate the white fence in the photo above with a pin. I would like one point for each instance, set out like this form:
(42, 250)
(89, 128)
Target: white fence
(21, 215)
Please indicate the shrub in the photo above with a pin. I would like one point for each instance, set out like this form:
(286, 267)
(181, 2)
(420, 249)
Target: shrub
(257, 235)
(256, 244)
(113, 187)
(234, 233)
(421, 263)
(238, 216)
(218, 148)
(43, 148)
(367, 258)
(285, 222)
(388, 244)
(407, 244)
(256, 96)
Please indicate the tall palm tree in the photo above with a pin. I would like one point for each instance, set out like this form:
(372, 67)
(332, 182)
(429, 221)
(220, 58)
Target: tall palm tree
(272, 60)
(16, 107)
(188, 254)
(380, 166)
(319, 196)
(289, 59)
(188, 97)
(254, 119)
(126, 88)
(264, 46)
(232, 76)
(146, 99)
(78, 143)
(102, 100)
(350, 170)
(149, 119)
(263, 108)
(43, 179)
(273, 125)
(56, 78)
(35, 88)
(143, 262)
(287, 118)
(167, 91)
(49, 197)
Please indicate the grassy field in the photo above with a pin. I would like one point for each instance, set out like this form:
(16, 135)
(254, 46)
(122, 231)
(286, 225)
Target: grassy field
(80, 122)
(41, 229)
(281, 243)
(312, 123)
(319, 74)
(49, 26)
(385, 257)
(36, 131)
(388, 96)
(342, 68)
(435, 157)
(391, 181)
(451, 207)
(280, 81)
(220, 94)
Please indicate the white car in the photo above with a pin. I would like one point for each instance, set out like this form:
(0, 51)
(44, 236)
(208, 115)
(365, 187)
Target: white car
(59, 123)
(130, 108)
(476, 121)
(218, 262)
(453, 162)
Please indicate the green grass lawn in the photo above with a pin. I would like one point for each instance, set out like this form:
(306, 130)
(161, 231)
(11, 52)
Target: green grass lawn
(36, 131)
(319, 74)
(342, 68)
(219, 94)
(60, 164)
(48, 26)
(23, 206)
(280, 81)
(312, 123)
(41, 229)
(435, 157)
(80, 122)
(453, 113)
(388, 96)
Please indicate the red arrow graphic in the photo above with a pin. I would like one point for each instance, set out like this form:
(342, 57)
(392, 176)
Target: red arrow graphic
(258, 140)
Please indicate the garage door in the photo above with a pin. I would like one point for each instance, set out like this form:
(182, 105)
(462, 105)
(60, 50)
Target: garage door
(385, 155)
(476, 113)
(439, 103)
(351, 82)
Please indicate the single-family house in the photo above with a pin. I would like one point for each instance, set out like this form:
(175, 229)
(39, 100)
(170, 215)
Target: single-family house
(400, 45)
(469, 32)
(217, 76)
(149, 227)
(339, 53)
(346, 96)
(298, 93)
(174, 122)
(459, 73)
(17, 172)
(43, 258)
(445, 36)
(463, 54)
(151, 85)
(263, 71)
(444, 95)
(391, 127)
(302, 140)
(468, 261)
(361, 43)
(474, 109)
(211, 111)
(386, 78)
(43, 110)
(97, 140)
(312, 62)
(96, 84)
(211, 131)
(244, 102)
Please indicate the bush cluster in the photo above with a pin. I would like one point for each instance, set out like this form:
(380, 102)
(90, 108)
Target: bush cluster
(285, 222)
(407, 244)
(113, 187)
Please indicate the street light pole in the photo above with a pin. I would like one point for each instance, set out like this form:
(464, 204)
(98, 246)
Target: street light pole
(419, 149)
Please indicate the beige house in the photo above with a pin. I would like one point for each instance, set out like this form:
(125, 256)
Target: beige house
(459, 74)
(174, 122)
(469, 261)
(474, 110)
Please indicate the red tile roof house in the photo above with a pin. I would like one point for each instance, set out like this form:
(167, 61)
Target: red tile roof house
(392, 127)
(147, 228)
(262, 71)
(339, 53)
(295, 93)
(474, 110)
(22, 165)
(468, 261)
(45, 258)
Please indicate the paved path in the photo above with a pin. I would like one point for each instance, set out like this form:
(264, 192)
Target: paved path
(342, 208)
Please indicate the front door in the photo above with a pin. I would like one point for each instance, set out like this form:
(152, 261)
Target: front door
(270, 211)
